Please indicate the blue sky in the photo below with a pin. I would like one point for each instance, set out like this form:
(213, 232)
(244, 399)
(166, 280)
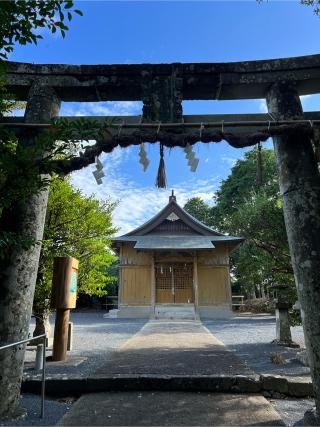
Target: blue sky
(168, 31)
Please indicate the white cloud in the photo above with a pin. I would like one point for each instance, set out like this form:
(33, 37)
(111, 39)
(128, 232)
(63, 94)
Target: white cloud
(229, 160)
(137, 203)
(263, 106)
(118, 108)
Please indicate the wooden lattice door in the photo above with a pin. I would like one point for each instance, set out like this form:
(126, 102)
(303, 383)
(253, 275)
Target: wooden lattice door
(174, 283)
(183, 283)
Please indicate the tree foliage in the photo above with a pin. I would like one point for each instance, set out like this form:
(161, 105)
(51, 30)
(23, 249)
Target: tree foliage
(255, 213)
(77, 226)
(200, 210)
(315, 4)
(21, 21)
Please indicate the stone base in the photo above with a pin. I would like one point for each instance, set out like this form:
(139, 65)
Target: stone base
(175, 311)
(147, 312)
(215, 312)
(290, 344)
(135, 312)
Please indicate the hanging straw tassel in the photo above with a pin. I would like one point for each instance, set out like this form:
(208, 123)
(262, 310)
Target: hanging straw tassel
(259, 166)
(161, 181)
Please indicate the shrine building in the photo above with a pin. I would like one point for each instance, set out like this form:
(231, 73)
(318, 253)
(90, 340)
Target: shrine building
(174, 266)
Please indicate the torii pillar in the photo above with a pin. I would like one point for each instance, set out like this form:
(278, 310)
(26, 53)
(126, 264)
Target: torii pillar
(299, 181)
(18, 273)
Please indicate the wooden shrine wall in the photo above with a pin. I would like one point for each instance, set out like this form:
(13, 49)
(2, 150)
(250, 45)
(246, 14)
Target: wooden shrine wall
(135, 276)
(214, 277)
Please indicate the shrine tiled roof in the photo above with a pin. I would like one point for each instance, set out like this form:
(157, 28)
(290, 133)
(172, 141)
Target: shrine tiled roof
(176, 242)
(160, 233)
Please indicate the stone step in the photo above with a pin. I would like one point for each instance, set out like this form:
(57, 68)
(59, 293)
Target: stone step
(175, 311)
(112, 314)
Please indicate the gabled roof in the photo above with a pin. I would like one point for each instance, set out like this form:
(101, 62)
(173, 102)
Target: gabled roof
(173, 207)
(201, 236)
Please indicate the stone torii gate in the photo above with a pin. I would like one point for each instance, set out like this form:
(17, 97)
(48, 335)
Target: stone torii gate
(162, 88)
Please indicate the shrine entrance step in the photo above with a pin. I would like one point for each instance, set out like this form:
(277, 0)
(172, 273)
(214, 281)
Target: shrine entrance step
(175, 311)
(171, 409)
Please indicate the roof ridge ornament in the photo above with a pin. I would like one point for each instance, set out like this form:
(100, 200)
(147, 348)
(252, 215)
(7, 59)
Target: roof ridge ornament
(172, 197)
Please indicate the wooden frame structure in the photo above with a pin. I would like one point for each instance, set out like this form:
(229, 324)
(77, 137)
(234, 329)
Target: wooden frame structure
(174, 261)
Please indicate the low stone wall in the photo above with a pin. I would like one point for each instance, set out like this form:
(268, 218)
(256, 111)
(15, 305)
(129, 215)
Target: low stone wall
(269, 385)
(135, 312)
(215, 312)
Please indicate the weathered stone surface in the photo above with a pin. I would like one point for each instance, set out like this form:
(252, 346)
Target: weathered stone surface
(18, 273)
(299, 181)
(283, 332)
(274, 383)
(270, 386)
(300, 387)
(234, 80)
(171, 409)
(162, 97)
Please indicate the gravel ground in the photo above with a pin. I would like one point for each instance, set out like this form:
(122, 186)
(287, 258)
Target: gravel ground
(292, 410)
(250, 338)
(54, 410)
(94, 338)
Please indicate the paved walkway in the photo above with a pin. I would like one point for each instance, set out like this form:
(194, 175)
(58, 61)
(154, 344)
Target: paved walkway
(173, 348)
(171, 409)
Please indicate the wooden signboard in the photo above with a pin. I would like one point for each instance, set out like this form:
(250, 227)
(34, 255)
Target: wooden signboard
(64, 283)
(63, 298)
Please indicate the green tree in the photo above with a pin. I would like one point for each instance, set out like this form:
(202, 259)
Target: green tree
(240, 184)
(81, 227)
(314, 4)
(200, 210)
(255, 213)
(21, 19)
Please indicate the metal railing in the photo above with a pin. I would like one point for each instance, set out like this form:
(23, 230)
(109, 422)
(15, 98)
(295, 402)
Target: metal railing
(43, 381)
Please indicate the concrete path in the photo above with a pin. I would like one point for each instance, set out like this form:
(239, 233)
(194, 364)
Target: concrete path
(171, 409)
(173, 348)
(164, 348)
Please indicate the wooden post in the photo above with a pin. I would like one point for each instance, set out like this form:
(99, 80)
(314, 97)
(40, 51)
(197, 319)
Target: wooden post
(153, 285)
(120, 284)
(229, 289)
(195, 282)
(64, 296)
(300, 190)
(60, 341)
